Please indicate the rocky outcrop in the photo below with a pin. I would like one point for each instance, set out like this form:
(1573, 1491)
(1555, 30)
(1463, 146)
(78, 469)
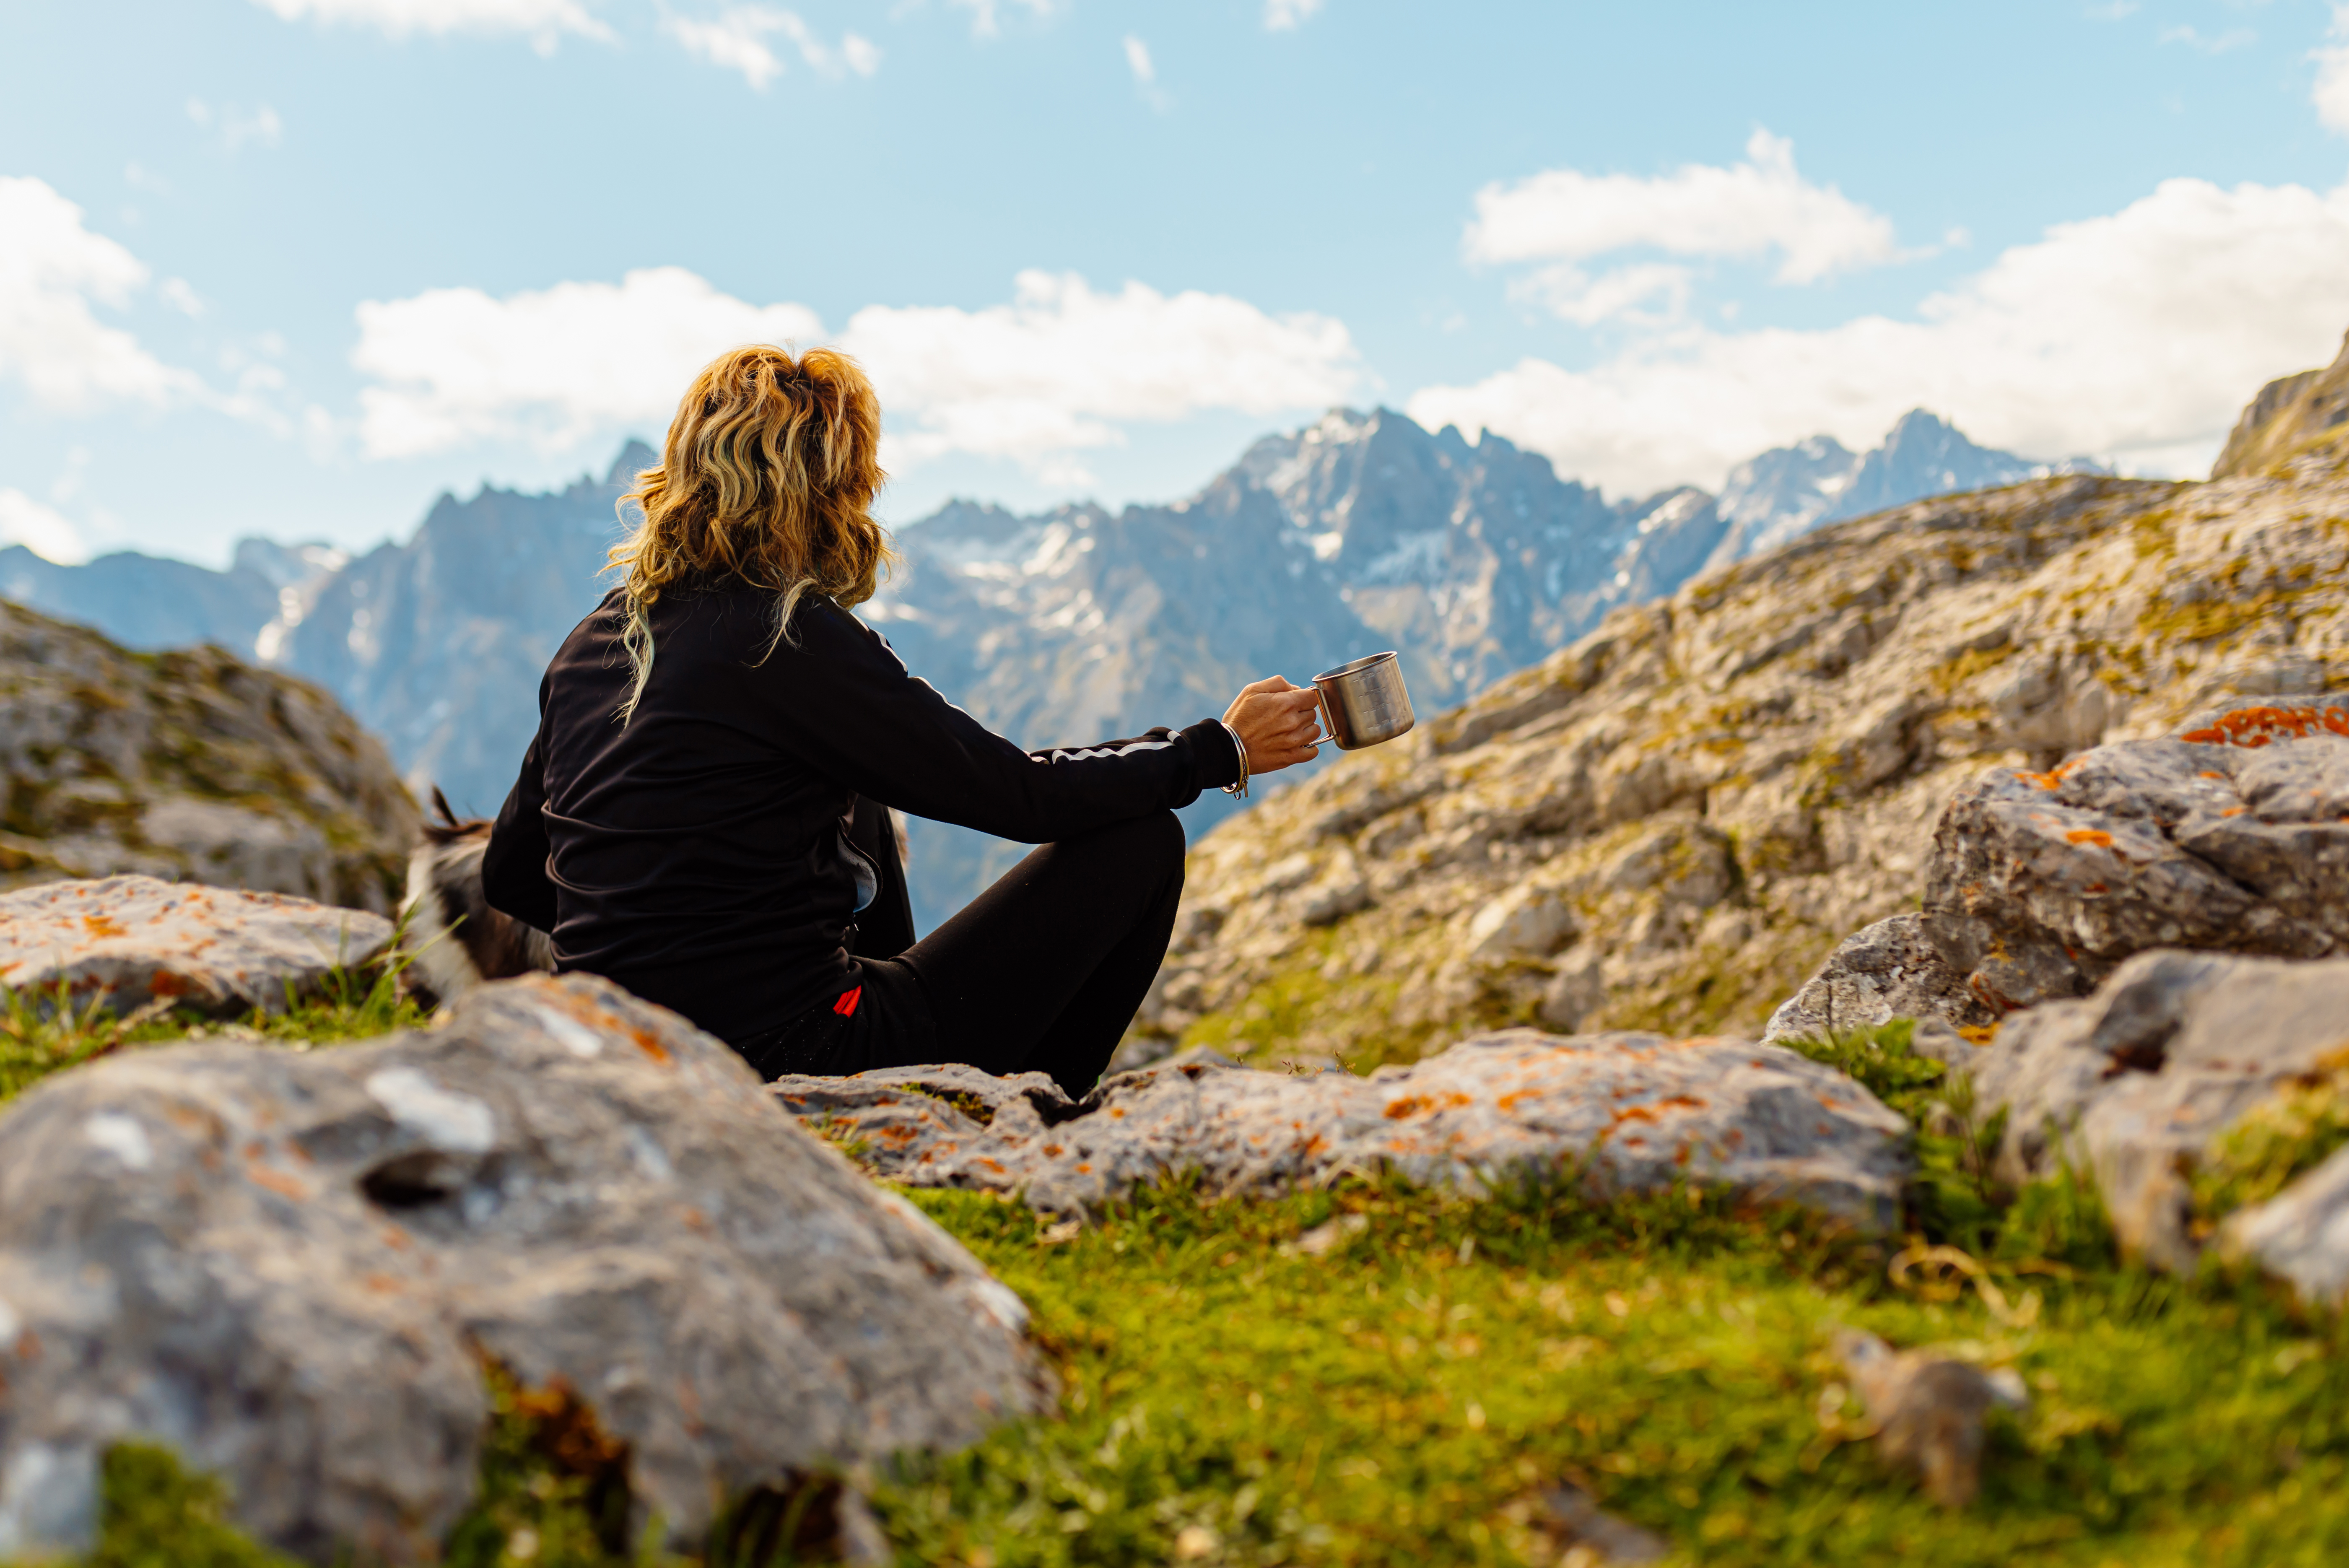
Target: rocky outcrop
(129, 941)
(2302, 1235)
(2234, 836)
(1890, 971)
(193, 766)
(1671, 822)
(290, 1267)
(2303, 414)
(1626, 1112)
(2134, 1086)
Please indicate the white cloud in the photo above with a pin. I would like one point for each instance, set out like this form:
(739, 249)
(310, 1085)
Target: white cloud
(25, 521)
(543, 21)
(985, 14)
(51, 271)
(1644, 293)
(553, 368)
(736, 38)
(2231, 39)
(1052, 373)
(1145, 75)
(1282, 15)
(1056, 371)
(239, 128)
(2333, 73)
(1748, 210)
(2137, 335)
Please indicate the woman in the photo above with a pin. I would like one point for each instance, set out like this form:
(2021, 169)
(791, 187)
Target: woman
(701, 817)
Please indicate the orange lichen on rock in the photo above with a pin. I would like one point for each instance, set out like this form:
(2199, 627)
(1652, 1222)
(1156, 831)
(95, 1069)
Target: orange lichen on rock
(2044, 781)
(2090, 836)
(2258, 726)
(278, 1181)
(103, 926)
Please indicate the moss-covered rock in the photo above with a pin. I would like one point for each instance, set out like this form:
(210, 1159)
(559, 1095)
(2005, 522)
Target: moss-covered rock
(190, 765)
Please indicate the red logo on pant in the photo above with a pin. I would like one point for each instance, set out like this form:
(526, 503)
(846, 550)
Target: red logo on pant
(847, 1006)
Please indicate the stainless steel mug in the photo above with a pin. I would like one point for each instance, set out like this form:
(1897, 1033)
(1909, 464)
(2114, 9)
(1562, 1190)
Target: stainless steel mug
(1364, 702)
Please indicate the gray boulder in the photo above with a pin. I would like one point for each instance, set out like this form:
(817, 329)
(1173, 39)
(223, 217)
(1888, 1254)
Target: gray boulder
(189, 764)
(2301, 1234)
(130, 941)
(289, 1267)
(2229, 837)
(1888, 971)
(1634, 1112)
(2133, 1084)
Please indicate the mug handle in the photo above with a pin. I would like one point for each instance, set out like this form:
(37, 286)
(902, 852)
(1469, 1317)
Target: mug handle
(1329, 735)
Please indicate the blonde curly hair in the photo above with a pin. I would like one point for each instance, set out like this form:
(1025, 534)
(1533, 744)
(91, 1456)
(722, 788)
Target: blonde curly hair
(767, 478)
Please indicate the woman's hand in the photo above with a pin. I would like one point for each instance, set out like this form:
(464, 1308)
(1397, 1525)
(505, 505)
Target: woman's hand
(1278, 723)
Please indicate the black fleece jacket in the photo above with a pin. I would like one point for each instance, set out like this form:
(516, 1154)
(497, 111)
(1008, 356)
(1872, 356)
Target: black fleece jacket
(704, 855)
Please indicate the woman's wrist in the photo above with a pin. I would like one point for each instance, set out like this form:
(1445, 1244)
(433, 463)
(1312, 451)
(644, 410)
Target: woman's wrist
(1239, 750)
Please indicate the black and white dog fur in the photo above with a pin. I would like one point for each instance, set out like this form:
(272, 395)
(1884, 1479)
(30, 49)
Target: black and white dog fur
(452, 938)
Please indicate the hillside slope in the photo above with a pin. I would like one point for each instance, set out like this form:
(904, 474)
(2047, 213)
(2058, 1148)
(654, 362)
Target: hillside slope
(191, 766)
(2306, 413)
(1667, 824)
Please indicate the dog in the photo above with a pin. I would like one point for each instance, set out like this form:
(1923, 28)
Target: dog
(450, 937)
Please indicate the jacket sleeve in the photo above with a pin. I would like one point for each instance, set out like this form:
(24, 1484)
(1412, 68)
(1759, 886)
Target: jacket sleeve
(848, 704)
(514, 866)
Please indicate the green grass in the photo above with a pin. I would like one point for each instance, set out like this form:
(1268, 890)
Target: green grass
(1403, 1395)
(47, 1030)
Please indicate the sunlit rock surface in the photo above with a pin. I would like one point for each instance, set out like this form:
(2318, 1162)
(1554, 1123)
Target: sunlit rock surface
(1618, 1112)
(290, 1267)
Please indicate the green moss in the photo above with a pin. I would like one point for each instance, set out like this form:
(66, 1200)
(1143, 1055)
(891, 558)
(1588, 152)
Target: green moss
(554, 1489)
(1950, 676)
(2284, 1136)
(153, 1514)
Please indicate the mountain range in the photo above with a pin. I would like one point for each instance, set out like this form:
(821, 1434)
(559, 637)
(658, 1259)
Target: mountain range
(1360, 532)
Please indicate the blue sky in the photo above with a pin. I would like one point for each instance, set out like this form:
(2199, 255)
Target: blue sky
(292, 267)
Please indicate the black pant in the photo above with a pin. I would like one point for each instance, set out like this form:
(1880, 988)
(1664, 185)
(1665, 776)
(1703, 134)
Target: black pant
(1041, 974)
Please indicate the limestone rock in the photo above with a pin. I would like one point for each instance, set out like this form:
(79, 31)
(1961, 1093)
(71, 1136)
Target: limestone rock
(1712, 790)
(190, 765)
(133, 939)
(2291, 414)
(1636, 1112)
(1888, 971)
(285, 1266)
(2133, 1084)
(2301, 1234)
(2041, 882)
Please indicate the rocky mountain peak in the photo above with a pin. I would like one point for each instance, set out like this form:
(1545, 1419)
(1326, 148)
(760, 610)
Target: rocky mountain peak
(1359, 531)
(1666, 823)
(2307, 411)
